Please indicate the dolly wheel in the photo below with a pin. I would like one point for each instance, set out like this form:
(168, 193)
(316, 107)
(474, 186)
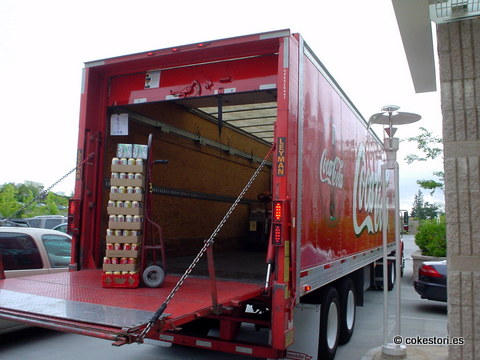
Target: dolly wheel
(153, 276)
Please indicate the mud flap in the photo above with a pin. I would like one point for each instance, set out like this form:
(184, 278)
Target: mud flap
(306, 322)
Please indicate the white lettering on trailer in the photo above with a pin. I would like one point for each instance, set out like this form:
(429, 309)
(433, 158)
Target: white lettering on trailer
(367, 196)
(331, 170)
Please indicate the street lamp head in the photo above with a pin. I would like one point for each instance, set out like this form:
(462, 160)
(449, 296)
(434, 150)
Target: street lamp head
(390, 108)
(399, 118)
(390, 116)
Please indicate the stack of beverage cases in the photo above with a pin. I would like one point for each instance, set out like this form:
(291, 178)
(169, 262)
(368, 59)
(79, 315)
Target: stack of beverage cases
(125, 211)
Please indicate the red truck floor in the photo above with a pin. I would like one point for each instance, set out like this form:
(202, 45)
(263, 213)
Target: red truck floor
(79, 297)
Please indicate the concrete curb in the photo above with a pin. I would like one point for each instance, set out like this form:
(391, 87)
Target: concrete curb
(371, 353)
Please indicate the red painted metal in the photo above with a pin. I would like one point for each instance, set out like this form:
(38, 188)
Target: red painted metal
(332, 175)
(284, 183)
(102, 332)
(242, 75)
(249, 349)
(192, 300)
(2, 272)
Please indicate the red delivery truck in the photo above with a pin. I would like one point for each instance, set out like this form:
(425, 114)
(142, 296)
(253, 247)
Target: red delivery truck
(223, 188)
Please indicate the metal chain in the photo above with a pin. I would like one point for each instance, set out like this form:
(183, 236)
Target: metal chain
(207, 243)
(45, 192)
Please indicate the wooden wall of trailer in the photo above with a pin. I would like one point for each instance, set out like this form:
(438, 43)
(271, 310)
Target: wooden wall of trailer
(186, 222)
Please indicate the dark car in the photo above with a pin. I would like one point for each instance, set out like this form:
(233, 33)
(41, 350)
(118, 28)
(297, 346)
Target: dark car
(14, 223)
(431, 283)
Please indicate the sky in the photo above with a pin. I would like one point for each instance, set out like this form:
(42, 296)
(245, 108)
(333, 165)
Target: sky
(44, 44)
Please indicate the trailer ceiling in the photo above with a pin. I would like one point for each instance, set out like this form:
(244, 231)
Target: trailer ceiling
(254, 113)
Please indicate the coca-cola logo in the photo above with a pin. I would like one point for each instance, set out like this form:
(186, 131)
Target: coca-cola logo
(367, 194)
(331, 170)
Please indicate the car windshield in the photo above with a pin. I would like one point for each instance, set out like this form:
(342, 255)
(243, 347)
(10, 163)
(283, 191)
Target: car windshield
(51, 223)
(61, 227)
(58, 249)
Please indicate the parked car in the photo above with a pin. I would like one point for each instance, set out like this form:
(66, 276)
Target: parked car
(32, 251)
(47, 221)
(431, 283)
(62, 227)
(14, 222)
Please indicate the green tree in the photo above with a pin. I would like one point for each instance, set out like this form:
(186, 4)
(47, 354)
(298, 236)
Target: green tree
(17, 201)
(423, 210)
(428, 144)
(431, 238)
(429, 210)
(417, 205)
(26, 193)
(8, 203)
(50, 204)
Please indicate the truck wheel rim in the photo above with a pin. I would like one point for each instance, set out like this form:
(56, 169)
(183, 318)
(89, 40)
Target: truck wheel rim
(350, 310)
(392, 274)
(332, 325)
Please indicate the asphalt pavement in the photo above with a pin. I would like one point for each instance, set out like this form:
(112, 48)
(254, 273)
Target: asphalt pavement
(420, 318)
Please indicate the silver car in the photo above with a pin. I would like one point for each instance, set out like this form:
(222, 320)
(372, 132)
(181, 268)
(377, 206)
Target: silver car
(31, 251)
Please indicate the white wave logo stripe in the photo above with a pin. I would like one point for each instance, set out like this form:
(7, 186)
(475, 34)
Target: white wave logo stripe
(367, 196)
(331, 170)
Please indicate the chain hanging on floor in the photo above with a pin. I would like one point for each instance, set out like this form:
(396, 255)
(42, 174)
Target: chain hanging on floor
(44, 193)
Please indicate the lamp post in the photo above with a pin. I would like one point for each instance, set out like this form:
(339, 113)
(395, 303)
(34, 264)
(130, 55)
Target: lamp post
(438, 212)
(389, 117)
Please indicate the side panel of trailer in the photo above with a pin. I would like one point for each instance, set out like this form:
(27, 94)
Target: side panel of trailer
(339, 203)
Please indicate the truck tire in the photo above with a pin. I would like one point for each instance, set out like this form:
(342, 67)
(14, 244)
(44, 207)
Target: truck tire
(378, 276)
(153, 276)
(329, 324)
(391, 275)
(348, 309)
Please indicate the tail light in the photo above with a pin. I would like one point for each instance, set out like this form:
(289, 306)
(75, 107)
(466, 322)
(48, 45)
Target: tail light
(430, 271)
(73, 216)
(277, 234)
(277, 223)
(277, 211)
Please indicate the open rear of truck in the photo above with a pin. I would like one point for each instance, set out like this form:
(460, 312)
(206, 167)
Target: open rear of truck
(215, 110)
(211, 109)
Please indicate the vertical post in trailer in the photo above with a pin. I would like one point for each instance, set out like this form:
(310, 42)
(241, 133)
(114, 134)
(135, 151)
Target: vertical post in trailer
(391, 117)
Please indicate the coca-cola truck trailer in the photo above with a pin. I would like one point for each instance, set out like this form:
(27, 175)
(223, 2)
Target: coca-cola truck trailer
(165, 249)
